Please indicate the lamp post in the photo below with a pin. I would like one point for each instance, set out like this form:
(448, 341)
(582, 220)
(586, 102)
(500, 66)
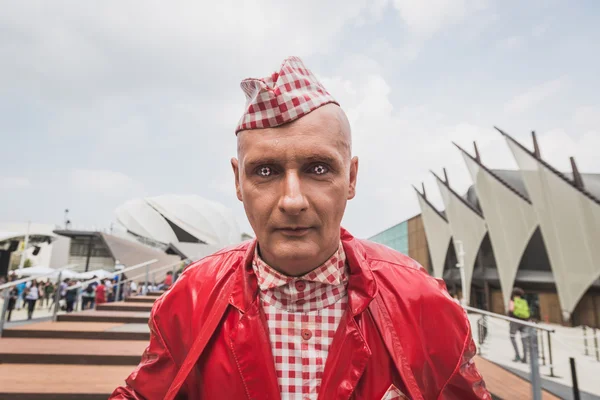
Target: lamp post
(67, 221)
(24, 251)
(460, 255)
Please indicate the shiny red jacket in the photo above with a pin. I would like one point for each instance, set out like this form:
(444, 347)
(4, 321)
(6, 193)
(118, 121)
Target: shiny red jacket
(401, 327)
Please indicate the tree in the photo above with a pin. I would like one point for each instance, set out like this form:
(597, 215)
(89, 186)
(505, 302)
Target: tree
(27, 263)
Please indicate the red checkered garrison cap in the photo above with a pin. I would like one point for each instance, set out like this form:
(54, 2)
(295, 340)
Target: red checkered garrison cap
(283, 97)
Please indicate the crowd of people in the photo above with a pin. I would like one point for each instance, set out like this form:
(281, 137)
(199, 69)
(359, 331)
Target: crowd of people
(42, 293)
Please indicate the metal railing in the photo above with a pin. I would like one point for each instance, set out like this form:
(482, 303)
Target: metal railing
(5, 289)
(174, 267)
(81, 285)
(146, 273)
(57, 291)
(594, 339)
(532, 339)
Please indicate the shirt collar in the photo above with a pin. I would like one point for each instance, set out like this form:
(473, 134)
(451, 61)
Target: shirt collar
(331, 272)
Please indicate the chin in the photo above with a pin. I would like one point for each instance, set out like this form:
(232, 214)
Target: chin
(295, 250)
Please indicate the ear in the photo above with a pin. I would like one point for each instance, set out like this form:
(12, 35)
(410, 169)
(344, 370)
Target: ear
(236, 173)
(353, 176)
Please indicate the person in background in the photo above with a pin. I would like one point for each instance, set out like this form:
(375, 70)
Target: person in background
(13, 295)
(119, 283)
(89, 295)
(133, 288)
(109, 290)
(47, 289)
(166, 284)
(63, 289)
(71, 296)
(519, 308)
(32, 294)
(100, 293)
(21, 289)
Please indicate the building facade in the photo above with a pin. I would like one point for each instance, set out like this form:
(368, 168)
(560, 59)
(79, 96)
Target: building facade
(407, 237)
(533, 228)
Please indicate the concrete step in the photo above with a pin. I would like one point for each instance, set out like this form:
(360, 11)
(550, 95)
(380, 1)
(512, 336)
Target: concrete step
(155, 294)
(80, 330)
(121, 306)
(68, 351)
(64, 382)
(132, 317)
(141, 299)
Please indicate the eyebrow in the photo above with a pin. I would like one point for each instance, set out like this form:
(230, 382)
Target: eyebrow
(308, 159)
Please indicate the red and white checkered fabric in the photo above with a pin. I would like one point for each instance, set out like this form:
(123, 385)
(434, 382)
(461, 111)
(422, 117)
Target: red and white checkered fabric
(303, 314)
(393, 393)
(282, 97)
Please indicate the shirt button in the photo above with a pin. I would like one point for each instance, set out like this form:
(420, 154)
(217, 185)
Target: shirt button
(306, 334)
(300, 285)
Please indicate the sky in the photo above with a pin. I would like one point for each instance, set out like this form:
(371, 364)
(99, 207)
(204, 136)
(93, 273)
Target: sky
(102, 102)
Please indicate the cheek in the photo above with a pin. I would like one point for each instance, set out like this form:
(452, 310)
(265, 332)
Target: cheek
(258, 203)
(329, 202)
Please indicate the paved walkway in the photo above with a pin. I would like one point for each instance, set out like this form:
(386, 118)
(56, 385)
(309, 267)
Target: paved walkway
(506, 385)
(566, 342)
(21, 315)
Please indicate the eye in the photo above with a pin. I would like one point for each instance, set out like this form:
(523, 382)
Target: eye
(319, 169)
(265, 172)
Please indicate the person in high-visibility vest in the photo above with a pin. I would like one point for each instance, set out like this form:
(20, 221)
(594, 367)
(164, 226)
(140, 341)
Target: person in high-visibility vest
(519, 308)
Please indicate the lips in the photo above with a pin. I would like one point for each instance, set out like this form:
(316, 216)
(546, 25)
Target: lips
(294, 230)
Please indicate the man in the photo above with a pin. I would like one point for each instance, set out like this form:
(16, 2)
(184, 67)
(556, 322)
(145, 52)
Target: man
(519, 308)
(168, 281)
(89, 295)
(306, 311)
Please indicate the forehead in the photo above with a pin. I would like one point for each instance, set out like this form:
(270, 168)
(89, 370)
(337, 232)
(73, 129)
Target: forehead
(317, 134)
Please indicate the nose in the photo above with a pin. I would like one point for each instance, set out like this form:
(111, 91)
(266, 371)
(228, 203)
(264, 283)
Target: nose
(292, 200)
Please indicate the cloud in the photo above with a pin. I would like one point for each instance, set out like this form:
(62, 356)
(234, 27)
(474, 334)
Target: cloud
(103, 182)
(427, 18)
(397, 146)
(78, 53)
(587, 118)
(535, 95)
(556, 146)
(511, 43)
(542, 28)
(14, 182)
(146, 98)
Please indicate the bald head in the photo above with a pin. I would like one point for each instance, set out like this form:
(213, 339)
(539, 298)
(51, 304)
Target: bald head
(329, 119)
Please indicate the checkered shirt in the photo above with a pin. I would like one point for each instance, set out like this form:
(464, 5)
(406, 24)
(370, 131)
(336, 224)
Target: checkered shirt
(303, 314)
(283, 97)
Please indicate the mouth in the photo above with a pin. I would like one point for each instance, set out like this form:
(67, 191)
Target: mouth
(294, 230)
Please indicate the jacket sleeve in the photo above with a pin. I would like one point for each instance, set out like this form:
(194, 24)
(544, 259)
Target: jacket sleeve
(153, 376)
(466, 383)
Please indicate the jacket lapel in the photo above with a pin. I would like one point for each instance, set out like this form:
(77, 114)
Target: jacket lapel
(252, 351)
(349, 352)
(394, 346)
(363, 293)
(250, 341)
(346, 361)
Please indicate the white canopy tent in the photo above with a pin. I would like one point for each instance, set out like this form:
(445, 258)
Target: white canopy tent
(33, 271)
(51, 273)
(100, 273)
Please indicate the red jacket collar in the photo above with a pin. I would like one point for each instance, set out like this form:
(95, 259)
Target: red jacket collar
(362, 287)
